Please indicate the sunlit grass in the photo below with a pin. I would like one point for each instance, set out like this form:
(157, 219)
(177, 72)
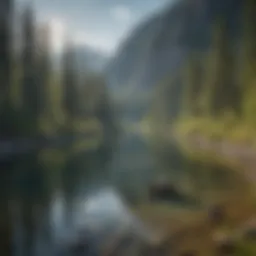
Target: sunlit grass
(191, 229)
(221, 129)
(246, 248)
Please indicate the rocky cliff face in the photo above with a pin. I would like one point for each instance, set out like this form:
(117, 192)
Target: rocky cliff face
(158, 49)
(160, 45)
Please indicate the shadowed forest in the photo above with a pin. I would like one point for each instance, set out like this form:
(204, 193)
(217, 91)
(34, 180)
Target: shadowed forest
(153, 154)
(48, 118)
(215, 83)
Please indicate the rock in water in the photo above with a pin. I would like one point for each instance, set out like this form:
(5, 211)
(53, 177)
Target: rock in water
(166, 192)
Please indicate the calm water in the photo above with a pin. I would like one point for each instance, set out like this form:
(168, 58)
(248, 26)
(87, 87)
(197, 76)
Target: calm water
(74, 192)
(77, 191)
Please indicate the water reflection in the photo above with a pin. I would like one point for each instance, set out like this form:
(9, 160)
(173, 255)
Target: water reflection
(56, 203)
(101, 213)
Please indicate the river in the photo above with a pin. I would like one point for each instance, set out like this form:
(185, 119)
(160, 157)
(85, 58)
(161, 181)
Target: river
(69, 192)
(85, 196)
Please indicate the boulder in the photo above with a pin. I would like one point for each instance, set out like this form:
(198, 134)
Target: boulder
(164, 191)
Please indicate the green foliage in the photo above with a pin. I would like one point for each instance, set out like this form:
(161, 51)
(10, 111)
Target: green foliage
(218, 98)
(246, 249)
(218, 83)
(70, 85)
(249, 104)
(224, 128)
(35, 100)
(192, 85)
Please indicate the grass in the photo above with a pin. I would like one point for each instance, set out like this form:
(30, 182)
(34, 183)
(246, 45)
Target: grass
(239, 137)
(246, 249)
(222, 129)
(182, 230)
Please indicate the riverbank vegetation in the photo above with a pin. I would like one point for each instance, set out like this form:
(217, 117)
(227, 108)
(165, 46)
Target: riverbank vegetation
(185, 232)
(212, 95)
(207, 107)
(219, 88)
(213, 92)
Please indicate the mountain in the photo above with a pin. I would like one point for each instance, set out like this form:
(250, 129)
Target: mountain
(87, 59)
(161, 44)
(159, 47)
(91, 59)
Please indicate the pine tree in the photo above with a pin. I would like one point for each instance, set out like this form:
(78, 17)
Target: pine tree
(247, 68)
(44, 69)
(6, 28)
(6, 11)
(105, 114)
(191, 86)
(70, 86)
(220, 90)
(7, 113)
(248, 53)
(30, 104)
(6, 15)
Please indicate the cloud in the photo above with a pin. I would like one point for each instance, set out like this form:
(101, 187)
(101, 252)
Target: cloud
(121, 13)
(60, 32)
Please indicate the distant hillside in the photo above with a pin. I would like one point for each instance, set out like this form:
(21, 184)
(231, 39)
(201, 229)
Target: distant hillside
(160, 44)
(159, 47)
(87, 58)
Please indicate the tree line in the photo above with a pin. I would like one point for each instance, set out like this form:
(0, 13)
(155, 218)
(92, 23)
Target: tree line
(215, 84)
(35, 100)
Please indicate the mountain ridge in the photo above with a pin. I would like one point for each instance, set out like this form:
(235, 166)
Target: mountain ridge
(87, 59)
(161, 43)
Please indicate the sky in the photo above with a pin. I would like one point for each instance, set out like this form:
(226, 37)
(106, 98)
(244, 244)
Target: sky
(101, 24)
